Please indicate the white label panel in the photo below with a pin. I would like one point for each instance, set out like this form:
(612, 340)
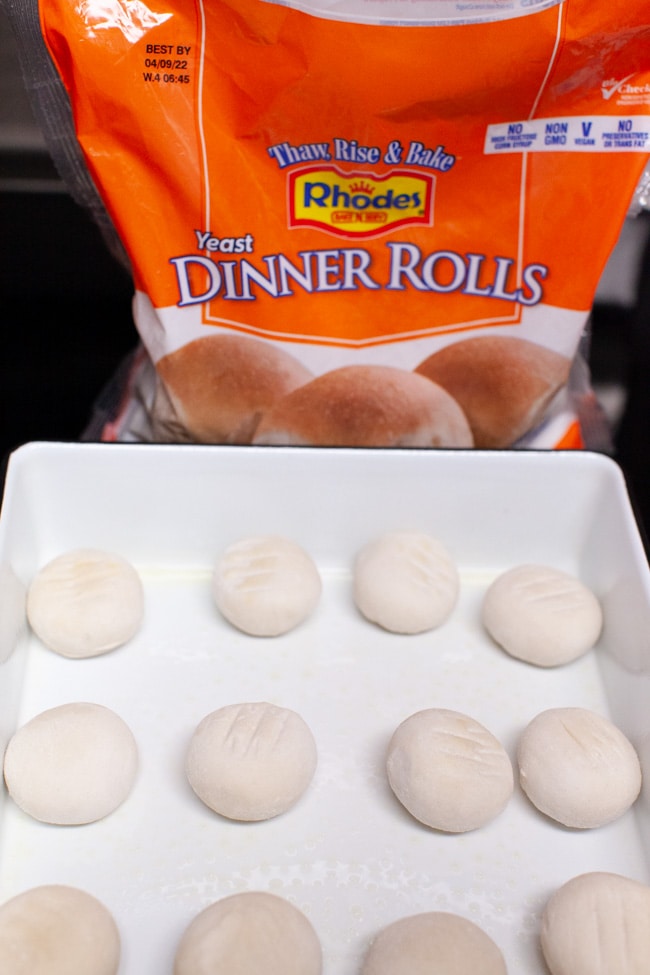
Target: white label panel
(594, 133)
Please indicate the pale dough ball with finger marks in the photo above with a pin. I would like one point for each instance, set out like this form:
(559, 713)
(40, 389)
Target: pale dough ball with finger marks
(252, 933)
(542, 615)
(405, 582)
(266, 585)
(597, 924)
(57, 930)
(449, 771)
(85, 602)
(72, 764)
(578, 768)
(434, 943)
(251, 761)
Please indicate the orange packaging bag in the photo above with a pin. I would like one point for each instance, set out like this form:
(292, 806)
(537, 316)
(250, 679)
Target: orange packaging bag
(359, 222)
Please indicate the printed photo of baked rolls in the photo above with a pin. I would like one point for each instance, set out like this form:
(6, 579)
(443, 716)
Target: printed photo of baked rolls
(366, 406)
(219, 385)
(504, 384)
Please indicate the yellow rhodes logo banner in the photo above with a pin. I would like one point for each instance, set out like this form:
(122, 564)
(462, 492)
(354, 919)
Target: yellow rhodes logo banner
(359, 204)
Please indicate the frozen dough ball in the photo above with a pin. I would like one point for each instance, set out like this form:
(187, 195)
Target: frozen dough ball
(266, 585)
(542, 615)
(406, 582)
(448, 770)
(85, 602)
(73, 764)
(57, 930)
(366, 406)
(597, 924)
(436, 942)
(251, 761)
(578, 768)
(249, 934)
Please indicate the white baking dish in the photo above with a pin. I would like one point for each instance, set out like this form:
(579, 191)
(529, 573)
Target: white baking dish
(347, 855)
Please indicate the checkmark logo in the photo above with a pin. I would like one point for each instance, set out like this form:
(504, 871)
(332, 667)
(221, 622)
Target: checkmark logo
(609, 88)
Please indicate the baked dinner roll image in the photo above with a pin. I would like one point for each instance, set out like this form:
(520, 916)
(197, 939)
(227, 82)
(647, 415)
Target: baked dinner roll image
(504, 384)
(578, 768)
(220, 384)
(58, 930)
(433, 943)
(597, 924)
(366, 406)
(251, 933)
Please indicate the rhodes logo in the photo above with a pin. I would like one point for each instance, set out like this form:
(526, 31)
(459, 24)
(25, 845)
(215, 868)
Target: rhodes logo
(359, 204)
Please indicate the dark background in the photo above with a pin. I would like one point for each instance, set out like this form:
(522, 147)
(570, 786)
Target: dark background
(66, 311)
(66, 306)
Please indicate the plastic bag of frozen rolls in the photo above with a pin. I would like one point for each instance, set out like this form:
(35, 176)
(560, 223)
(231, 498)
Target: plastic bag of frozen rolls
(351, 222)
